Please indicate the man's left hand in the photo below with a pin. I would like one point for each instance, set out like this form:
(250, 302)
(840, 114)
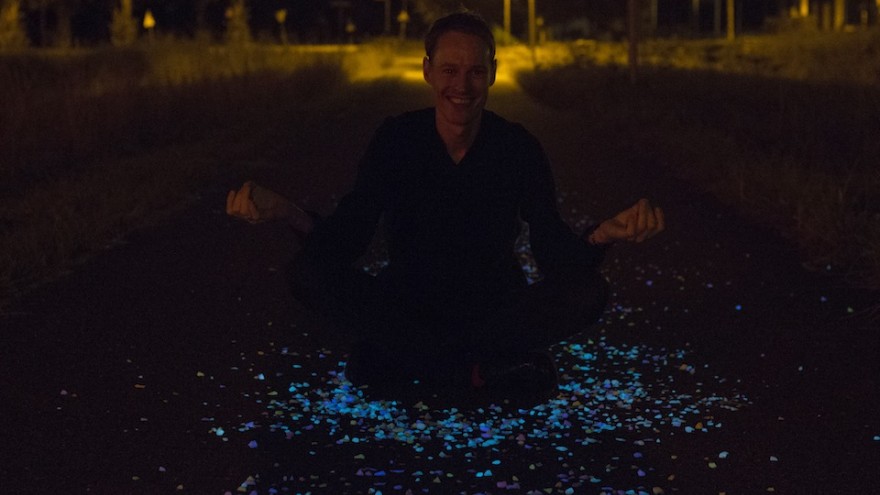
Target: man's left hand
(635, 224)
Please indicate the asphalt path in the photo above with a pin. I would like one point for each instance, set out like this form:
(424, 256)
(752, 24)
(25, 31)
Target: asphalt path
(177, 362)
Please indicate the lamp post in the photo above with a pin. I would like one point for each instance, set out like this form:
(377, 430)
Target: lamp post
(633, 28)
(532, 21)
(731, 20)
(280, 18)
(149, 23)
(507, 18)
(402, 19)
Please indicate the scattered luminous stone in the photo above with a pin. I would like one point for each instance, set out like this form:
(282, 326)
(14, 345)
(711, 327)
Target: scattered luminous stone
(773, 458)
(723, 454)
(252, 444)
(739, 307)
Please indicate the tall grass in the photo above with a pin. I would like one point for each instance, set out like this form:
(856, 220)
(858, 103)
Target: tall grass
(64, 110)
(79, 135)
(799, 155)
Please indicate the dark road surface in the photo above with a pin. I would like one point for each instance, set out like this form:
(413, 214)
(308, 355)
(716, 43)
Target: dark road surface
(177, 362)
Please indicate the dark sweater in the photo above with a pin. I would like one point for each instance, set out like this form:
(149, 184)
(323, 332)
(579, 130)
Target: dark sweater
(451, 228)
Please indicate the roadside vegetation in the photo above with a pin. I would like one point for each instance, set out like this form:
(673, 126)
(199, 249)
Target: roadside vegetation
(784, 128)
(96, 143)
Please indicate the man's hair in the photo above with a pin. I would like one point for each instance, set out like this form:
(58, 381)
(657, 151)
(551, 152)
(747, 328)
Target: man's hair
(461, 22)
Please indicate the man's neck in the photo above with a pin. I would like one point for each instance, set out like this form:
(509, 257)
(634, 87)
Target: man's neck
(458, 138)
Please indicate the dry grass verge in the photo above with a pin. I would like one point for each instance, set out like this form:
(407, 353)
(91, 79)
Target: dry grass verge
(98, 143)
(799, 155)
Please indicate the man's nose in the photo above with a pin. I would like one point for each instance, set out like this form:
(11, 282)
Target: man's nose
(463, 80)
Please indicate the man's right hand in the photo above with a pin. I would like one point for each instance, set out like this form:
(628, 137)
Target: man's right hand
(257, 204)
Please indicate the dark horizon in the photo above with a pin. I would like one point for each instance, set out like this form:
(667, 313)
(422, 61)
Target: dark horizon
(320, 22)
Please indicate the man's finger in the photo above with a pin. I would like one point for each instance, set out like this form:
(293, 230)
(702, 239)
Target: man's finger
(631, 220)
(656, 224)
(253, 214)
(241, 203)
(642, 219)
(230, 198)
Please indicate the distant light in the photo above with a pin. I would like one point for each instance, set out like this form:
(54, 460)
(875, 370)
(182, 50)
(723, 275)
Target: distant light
(149, 20)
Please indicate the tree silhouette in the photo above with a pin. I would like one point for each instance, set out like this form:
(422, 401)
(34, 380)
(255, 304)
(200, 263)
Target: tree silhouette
(12, 32)
(237, 29)
(123, 27)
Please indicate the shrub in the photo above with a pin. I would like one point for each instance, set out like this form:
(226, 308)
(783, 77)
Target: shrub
(123, 27)
(12, 32)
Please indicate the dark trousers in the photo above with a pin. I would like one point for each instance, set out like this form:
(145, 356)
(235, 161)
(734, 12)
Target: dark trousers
(409, 343)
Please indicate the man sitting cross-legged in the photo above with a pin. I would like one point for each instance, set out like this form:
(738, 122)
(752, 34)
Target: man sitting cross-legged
(452, 185)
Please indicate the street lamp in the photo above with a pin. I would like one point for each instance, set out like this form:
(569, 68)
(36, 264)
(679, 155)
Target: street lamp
(532, 21)
(507, 20)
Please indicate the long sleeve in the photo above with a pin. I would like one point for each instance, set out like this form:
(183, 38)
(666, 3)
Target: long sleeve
(342, 237)
(557, 249)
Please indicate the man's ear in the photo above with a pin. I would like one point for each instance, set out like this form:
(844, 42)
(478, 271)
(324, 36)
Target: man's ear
(426, 62)
(492, 72)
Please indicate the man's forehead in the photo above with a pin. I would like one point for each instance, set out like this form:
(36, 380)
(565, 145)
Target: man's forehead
(456, 44)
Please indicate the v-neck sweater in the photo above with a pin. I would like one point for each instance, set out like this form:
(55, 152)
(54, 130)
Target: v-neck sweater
(451, 228)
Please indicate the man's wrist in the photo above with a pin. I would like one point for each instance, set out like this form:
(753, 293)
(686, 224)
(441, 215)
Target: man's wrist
(299, 219)
(597, 238)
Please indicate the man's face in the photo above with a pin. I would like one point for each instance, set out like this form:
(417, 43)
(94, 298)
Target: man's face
(460, 73)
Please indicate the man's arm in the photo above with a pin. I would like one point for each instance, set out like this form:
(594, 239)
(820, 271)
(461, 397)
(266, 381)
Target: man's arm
(555, 246)
(637, 223)
(256, 204)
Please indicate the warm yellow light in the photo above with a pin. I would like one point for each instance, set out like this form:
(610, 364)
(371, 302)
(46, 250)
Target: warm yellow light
(149, 20)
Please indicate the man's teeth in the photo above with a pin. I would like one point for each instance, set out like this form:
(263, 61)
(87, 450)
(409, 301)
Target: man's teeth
(460, 101)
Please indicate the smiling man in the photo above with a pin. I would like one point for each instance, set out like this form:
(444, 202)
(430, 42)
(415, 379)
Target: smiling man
(452, 186)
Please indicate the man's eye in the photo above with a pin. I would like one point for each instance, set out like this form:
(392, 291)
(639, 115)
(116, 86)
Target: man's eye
(449, 71)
